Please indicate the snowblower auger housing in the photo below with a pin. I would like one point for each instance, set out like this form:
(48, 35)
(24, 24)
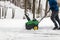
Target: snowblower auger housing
(32, 24)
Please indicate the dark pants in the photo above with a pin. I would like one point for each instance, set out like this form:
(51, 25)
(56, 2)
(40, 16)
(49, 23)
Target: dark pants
(55, 18)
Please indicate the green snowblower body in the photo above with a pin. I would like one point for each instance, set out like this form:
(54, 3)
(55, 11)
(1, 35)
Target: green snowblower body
(31, 24)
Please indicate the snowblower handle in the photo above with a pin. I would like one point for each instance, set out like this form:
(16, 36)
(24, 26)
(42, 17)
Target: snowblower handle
(42, 19)
(27, 17)
(44, 16)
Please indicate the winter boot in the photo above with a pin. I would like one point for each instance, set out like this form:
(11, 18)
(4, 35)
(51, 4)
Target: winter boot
(55, 28)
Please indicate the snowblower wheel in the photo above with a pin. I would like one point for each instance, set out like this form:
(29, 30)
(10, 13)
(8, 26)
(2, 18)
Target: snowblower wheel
(35, 28)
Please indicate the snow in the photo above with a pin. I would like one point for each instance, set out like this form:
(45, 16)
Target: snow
(14, 29)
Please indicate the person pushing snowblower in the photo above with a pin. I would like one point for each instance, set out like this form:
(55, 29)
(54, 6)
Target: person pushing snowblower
(55, 10)
(54, 17)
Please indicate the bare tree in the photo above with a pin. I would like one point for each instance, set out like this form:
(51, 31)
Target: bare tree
(46, 7)
(5, 14)
(25, 3)
(39, 9)
(25, 6)
(0, 13)
(13, 13)
(3, 11)
(33, 10)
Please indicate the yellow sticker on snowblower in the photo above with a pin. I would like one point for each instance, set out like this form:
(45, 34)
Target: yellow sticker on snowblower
(35, 28)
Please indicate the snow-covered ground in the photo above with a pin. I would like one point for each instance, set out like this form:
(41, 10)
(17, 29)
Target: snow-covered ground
(14, 29)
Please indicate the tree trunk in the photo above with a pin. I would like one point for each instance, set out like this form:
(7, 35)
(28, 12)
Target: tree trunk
(33, 10)
(13, 13)
(0, 13)
(25, 6)
(46, 7)
(39, 9)
(5, 12)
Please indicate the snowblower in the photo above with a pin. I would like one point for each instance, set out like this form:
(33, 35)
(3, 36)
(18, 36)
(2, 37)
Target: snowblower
(31, 24)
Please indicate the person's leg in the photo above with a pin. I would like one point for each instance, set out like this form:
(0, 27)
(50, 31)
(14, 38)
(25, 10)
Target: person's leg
(53, 20)
(57, 19)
